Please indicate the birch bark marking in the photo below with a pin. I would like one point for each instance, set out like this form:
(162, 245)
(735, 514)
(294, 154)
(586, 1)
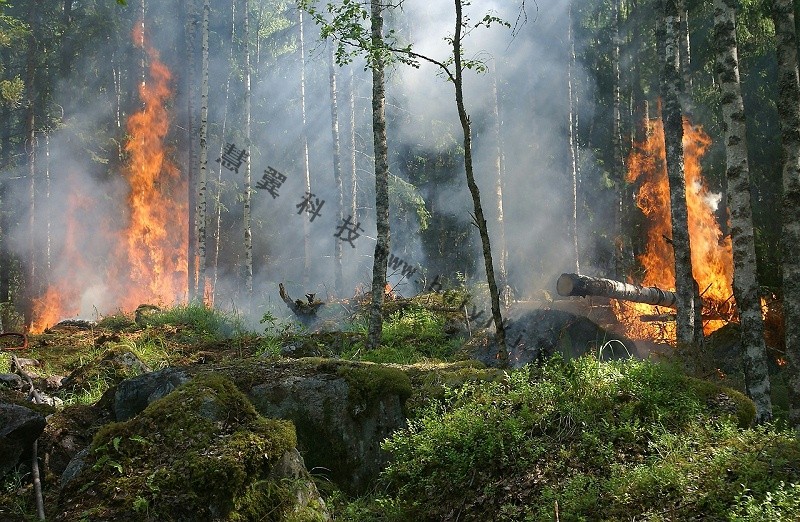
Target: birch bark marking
(673, 138)
(248, 233)
(383, 242)
(745, 277)
(789, 115)
(203, 178)
(337, 171)
(304, 140)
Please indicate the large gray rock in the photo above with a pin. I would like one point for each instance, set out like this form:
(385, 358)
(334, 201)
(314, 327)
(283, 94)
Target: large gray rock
(133, 395)
(19, 428)
(341, 412)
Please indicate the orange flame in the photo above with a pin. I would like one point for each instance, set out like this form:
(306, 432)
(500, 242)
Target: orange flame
(155, 241)
(712, 260)
(149, 260)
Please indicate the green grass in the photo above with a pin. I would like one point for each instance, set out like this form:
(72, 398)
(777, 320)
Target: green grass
(410, 335)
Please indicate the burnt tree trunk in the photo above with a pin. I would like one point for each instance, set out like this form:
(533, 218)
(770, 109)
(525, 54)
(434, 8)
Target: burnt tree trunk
(581, 285)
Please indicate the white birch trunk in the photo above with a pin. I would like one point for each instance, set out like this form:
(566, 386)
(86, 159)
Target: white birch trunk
(789, 115)
(673, 138)
(304, 142)
(248, 234)
(745, 278)
(203, 178)
(337, 172)
(381, 153)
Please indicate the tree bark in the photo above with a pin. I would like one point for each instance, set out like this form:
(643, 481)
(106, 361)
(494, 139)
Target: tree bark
(381, 153)
(673, 138)
(685, 47)
(203, 178)
(789, 116)
(218, 196)
(337, 172)
(304, 143)
(480, 221)
(191, 255)
(573, 146)
(30, 150)
(498, 192)
(580, 285)
(745, 276)
(248, 234)
(353, 172)
(617, 166)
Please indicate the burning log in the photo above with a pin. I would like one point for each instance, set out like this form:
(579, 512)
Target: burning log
(580, 285)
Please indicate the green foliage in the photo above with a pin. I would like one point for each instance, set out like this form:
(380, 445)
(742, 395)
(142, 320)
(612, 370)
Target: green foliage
(783, 503)
(609, 441)
(410, 335)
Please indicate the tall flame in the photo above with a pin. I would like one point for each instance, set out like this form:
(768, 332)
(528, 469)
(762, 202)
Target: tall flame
(154, 243)
(148, 264)
(712, 260)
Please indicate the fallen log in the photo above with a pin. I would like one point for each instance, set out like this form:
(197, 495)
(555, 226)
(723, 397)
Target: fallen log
(581, 285)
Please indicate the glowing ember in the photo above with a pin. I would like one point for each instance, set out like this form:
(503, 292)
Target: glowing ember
(148, 263)
(712, 261)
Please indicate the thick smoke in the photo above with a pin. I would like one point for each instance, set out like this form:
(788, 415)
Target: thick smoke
(528, 64)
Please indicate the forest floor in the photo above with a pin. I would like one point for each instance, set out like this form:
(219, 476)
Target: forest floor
(565, 440)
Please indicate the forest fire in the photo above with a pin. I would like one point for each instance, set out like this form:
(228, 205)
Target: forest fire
(146, 261)
(153, 253)
(712, 259)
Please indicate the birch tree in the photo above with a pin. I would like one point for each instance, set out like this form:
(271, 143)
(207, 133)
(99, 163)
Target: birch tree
(203, 178)
(353, 38)
(304, 143)
(248, 191)
(337, 169)
(789, 114)
(673, 137)
(745, 277)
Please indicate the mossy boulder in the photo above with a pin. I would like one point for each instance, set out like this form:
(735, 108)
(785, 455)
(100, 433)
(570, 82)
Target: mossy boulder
(342, 411)
(200, 453)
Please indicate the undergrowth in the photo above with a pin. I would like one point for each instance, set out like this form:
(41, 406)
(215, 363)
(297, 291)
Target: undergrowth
(602, 441)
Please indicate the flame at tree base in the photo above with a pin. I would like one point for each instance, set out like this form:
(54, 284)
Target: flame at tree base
(146, 261)
(712, 258)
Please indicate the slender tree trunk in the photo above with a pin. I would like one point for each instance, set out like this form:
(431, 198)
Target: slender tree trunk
(789, 115)
(480, 221)
(618, 167)
(685, 47)
(498, 191)
(573, 153)
(673, 138)
(191, 46)
(218, 196)
(745, 276)
(48, 220)
(248, 234)
(5, 160)
(353, 172)
(203, 179)
(304, 143)
(381, 153)
(337, 172)
(30, 149)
